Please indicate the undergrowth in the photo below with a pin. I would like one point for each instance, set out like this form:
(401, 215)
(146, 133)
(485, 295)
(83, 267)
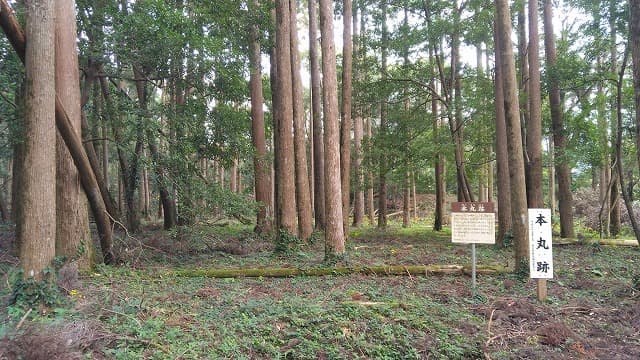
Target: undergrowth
(142, 310)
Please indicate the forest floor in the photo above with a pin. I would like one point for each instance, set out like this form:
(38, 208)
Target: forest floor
(143, 309)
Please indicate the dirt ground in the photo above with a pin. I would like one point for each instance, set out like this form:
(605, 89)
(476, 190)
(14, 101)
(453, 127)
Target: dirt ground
(593, 310)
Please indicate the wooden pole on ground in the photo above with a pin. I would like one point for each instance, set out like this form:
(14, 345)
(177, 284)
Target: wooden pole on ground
(542, 290)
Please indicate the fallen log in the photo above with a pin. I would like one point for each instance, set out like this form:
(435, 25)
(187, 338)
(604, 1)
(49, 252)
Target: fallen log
(607, 242)
(411, 270)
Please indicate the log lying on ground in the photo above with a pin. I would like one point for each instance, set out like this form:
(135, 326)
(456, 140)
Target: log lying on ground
(412, 270)
(608, 242)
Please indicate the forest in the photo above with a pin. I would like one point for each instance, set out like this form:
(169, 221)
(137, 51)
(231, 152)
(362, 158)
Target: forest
(188, 179)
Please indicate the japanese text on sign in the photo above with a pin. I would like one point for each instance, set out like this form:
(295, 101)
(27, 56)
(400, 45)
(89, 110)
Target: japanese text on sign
(541, 252)
(473, 223)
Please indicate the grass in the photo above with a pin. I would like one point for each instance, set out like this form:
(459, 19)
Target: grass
(141, 310)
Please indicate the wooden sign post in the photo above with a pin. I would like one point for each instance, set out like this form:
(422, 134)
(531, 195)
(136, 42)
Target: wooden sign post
(473, 223)
(541, 250)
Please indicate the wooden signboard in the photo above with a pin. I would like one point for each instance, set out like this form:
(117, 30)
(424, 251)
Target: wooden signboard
(540, 245)
(473, 223)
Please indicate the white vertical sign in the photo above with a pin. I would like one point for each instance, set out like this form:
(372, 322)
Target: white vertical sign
(541, 251)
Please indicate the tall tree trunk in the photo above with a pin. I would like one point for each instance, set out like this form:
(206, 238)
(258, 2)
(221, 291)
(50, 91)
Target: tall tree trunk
(414, 195)
(169, 211)
(16, 37)
(36, 225)
(514, 139)
(303, 194)
(406, 184)
(382, 132)
(283, 111)
(370, 179)
(110, 203)
(635, 61)
(358, 133)
(170, 216)
(523, 65)
(233, 176)
(614, 216)
(502, 153)
(563, 171)
(4, 211)
(316, 119)
(273, 78)
(347, 89)
(262, 183)
(73, 239)
(240, 185)
(334, 233)
(485, 168)
(634, 6)
(406, 200)
(456, 125)
(90, 150)
(603, 169)
(626, 192)
(439, 164)
(143, 196)
(552, 176)
(105, 155)
(5, 192)
(535, 198)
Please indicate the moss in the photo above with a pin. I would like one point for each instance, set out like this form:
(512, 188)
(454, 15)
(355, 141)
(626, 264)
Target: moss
(413, 270)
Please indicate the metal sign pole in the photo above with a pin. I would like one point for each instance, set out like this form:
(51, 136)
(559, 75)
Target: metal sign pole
(473, 266)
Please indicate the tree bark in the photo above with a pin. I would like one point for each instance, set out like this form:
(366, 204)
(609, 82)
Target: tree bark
(370, 193)
(635, 63)
(73, 238)
(502, 153)
(514, 139)
(36, 225)
(439, 165)
(334, 233)
(406, 200)
(261, 169)
(535, 197)
(316, 119)
(170, 217)
(563, 171)
(347, 89)
(283, 113)
(522, 64)
(4, 211)
(358, 134)
(634, 20)
(382, 132)
(233, 176)
(414, 195)
(16, 37)
(614, 215)
(456, 123)
(605, 184)
(303, 194)
(552, 176)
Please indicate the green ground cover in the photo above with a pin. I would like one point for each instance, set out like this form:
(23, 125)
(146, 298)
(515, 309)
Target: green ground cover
(143, 310)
